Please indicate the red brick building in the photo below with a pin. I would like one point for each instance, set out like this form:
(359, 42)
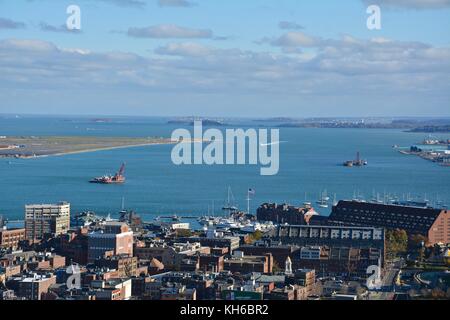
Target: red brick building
(10, 238)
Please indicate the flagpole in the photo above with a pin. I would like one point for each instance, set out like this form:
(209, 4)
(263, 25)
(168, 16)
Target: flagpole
(248, 201)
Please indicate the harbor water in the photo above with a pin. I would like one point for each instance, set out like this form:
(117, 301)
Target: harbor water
(310, 162)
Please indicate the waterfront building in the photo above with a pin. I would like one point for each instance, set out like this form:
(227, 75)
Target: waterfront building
(46, 219)
(431, 223)
(285, 214)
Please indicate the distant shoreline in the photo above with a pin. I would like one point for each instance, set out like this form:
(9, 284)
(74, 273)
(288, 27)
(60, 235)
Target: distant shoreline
(40, 147)
(101, 149)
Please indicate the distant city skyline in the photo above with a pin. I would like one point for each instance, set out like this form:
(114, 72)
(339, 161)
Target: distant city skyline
(254, 59)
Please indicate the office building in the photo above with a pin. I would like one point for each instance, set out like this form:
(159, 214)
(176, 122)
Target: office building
(46, 220)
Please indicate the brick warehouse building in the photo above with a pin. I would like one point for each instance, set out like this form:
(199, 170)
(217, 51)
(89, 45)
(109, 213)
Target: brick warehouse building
(429, 222)
(285, 213)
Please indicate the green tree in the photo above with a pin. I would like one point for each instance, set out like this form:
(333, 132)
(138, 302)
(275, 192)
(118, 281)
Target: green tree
(396, 242)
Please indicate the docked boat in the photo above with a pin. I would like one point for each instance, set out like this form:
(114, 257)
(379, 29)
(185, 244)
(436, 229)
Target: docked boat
(323, 200)
(230, 205)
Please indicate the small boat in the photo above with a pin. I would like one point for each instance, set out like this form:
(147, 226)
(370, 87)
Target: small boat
(323, 205)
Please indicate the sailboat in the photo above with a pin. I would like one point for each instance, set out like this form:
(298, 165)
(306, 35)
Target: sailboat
(325, 196)
(323, 202)
(230, 204)
(335, 202)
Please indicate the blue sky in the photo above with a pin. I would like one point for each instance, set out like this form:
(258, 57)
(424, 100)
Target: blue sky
(225, 58)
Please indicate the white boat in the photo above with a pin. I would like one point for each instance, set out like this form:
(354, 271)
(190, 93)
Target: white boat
(323, 200)
(228, 224)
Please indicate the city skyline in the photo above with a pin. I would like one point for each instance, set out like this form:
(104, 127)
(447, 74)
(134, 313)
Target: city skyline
(252, 59)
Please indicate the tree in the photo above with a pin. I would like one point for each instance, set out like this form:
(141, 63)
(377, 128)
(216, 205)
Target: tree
(183, 233)
(396, 242)
(255, 236)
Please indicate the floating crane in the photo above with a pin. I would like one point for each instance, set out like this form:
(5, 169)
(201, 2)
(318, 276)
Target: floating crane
(118, 178)
(358, 162)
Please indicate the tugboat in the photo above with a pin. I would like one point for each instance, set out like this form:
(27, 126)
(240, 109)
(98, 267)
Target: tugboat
(118, 178)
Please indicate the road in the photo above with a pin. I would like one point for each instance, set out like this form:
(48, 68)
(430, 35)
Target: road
(388, 282)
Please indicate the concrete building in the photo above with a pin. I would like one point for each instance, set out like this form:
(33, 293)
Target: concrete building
(429, 222)
(239, 263)
(10, 238)
(340, 261)
(112, 289)
(331, 236)
(32, 287)
(46, 219)
(171, 256)
(279, 252)
(115, 237)
(215, 240)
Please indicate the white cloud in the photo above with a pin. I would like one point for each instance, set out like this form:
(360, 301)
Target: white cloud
(336, 67)
(184, 49)
(175, 3)
(294, 39)
(165, 31)
(410, 4)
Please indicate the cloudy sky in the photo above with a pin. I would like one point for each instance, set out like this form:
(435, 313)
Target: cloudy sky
(225, 58)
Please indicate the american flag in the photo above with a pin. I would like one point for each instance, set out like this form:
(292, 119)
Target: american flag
(251, 191)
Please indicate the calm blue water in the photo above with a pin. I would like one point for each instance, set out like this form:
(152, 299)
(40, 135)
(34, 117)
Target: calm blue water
(310, 161)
